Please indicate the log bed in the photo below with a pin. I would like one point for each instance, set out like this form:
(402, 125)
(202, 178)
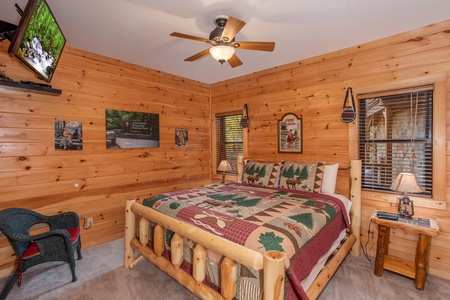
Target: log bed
(271, 263)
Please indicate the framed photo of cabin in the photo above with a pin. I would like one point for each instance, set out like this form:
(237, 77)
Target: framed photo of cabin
(290, 136)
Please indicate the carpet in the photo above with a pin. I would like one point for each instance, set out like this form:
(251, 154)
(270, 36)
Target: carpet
(101, 275)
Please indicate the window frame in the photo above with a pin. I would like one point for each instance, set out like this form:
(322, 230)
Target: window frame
(216, 141)
(390, 108)
(439, 82)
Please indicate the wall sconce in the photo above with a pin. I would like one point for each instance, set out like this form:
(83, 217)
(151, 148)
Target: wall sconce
(406, 183)
(244, 121)
(224, 166)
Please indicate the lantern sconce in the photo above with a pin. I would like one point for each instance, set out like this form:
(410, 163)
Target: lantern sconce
(244, 121)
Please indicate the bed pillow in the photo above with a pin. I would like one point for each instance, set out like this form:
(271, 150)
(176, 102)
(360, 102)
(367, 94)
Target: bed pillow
(302, 176)
(329, 178)
(260, 173)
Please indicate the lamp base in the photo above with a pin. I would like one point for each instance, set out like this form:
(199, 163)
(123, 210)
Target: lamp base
(223, 177)
(406, 207)
(405, 215)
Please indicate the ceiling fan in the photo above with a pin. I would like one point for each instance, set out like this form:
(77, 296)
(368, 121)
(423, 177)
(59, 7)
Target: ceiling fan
(223, 42)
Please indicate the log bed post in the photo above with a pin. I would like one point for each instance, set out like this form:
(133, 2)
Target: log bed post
(355, 211)
(273, 275)
(130, 232)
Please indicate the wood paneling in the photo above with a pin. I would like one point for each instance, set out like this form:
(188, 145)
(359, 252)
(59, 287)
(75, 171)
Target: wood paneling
(314, 89)
(35, 176)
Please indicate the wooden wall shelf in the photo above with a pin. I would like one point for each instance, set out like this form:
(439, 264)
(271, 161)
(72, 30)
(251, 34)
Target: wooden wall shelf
(34, 88)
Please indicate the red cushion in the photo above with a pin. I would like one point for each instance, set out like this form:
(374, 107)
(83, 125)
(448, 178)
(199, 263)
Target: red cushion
(33, 249)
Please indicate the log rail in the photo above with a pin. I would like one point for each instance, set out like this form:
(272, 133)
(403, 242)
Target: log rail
(271, 262)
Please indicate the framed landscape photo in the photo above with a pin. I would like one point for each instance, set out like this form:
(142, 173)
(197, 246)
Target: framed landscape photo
(290, 136)
(129, 129)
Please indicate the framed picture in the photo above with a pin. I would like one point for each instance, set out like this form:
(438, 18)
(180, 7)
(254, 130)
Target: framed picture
(290, 136)
(181, 137)
(68, 135)
(128, 129)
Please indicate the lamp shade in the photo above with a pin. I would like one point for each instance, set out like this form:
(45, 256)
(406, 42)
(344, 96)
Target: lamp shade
(407, 183)
(224, 166)
(222, 53)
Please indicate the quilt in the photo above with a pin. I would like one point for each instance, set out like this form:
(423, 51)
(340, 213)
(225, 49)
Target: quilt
(303, 225)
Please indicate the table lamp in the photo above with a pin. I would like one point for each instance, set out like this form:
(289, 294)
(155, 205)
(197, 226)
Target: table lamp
(224, 166)
(406, 183)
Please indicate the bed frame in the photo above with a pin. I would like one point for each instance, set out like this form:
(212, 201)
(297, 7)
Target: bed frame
(271, 263)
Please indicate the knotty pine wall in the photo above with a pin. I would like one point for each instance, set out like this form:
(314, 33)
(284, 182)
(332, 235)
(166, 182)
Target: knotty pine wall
(314, 89)
(35, 176)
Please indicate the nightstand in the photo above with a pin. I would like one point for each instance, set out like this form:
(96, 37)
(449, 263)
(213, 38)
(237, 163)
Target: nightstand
(416, 270)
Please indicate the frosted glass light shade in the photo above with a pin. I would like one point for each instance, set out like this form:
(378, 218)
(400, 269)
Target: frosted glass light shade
(222, 53)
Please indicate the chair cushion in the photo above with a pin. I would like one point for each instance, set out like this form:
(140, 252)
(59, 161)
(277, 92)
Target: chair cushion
(33, 249)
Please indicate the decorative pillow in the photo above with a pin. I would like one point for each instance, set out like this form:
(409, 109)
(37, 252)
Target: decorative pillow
(302, 176)
(260, 173)
(329, 178)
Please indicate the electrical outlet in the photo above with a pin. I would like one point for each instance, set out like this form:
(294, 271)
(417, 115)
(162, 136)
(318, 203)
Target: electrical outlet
(90, 222)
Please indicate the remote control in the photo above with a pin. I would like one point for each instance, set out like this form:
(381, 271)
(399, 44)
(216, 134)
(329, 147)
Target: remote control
(387, 215)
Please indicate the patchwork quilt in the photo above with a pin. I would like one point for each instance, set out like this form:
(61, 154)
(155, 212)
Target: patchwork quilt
(303, 225)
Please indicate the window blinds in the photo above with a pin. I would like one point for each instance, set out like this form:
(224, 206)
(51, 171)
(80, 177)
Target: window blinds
(395, 135)
(229, 143)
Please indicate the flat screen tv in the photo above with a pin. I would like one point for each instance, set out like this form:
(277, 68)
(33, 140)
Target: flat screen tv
(38, 41)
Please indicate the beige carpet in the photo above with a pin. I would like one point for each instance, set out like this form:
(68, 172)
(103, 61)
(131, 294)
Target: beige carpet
(101, 276)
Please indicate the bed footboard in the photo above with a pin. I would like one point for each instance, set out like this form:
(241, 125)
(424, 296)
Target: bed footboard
(272, 263)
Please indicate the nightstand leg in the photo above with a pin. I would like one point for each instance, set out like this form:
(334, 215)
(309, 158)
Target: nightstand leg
(382, 248)
(421, 261)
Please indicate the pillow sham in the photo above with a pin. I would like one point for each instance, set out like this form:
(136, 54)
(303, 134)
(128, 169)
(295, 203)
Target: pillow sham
(302, 176)
(329, 178)
(260, 173)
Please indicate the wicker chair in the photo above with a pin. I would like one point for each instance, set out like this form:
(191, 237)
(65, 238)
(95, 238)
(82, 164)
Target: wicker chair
(57, 244)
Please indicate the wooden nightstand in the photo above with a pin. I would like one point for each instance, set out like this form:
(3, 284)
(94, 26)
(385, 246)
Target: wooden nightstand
(416, 270)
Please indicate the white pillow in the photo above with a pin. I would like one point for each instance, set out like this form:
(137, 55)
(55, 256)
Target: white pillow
(329, 178)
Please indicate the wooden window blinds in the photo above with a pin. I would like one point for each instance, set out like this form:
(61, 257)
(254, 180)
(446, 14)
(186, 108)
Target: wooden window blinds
(395, 135)
(229, 139)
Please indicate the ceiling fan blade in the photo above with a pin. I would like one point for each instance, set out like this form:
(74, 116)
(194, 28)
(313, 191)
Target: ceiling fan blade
(197, 55)
(232, 28)
(189, 37)
(235, 61)
(261, 46)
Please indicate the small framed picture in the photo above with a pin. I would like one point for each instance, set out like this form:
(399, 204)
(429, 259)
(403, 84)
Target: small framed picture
(290, 137)
(181, 137)
(68, 135)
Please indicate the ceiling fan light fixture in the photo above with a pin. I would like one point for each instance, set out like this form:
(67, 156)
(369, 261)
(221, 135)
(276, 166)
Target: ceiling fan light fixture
(222, 53)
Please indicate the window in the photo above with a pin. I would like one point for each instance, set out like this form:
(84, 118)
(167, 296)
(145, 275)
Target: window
(396, 135)
(229, 139)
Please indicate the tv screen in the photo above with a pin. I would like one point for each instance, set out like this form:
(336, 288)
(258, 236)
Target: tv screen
(38, 41)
